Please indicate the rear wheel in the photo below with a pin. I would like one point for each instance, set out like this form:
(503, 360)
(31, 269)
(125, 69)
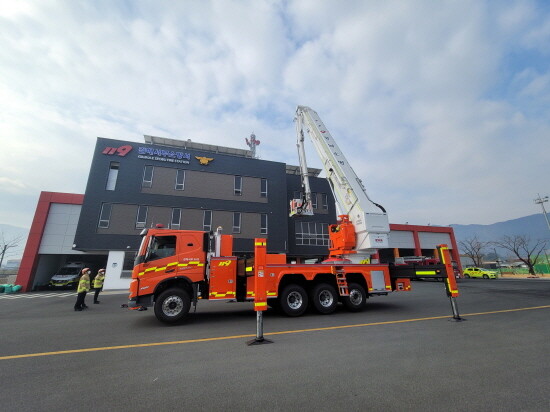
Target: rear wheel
(172, 305)
(293, 300)
(467, 276)
(485, 277)
(324, 298)
(273, 303)
(357, 298)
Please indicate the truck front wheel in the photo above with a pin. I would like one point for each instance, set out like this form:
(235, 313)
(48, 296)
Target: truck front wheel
(357, 297)
(293, 300)
(172, 305)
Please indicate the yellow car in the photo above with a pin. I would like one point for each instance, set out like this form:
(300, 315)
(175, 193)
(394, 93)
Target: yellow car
(479, 273)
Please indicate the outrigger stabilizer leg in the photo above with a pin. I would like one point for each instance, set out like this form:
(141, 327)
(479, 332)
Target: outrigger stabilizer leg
(260, 290)
(456, 316)
(450, 282)
(259, 339)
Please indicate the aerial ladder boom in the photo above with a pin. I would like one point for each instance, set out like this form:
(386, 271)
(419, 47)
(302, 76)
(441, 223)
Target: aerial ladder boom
(369, 219)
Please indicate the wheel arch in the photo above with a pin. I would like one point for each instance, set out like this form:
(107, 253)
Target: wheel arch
(357, 278)
(325, 278)
(181, 282)
(294, 278)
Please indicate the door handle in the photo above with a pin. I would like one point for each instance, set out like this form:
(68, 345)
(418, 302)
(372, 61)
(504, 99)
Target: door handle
(169, 270)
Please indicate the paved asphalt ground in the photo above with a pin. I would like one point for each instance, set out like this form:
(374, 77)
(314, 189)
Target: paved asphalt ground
(401, 354)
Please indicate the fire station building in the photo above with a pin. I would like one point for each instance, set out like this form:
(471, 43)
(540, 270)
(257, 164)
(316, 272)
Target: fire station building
(188, 185)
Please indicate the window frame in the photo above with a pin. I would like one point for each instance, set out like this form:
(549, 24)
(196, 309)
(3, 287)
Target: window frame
(112, 177)
(237, 228)
(205, 227)
(141, 224)
(147, 183)
(108, 220)
(182, 184)
(314, 204)
(172, 224)
(324, 201)
(264, 228)
(311, 234)
(263, 193)
(238, 191)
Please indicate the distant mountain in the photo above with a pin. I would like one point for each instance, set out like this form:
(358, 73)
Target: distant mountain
(533, 226)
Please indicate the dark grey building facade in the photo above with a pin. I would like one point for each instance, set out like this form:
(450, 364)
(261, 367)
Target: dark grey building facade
(188, 185)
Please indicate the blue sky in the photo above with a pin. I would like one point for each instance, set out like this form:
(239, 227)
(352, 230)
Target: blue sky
(442, 108)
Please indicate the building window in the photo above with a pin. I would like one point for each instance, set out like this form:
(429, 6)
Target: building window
(180, 179)
(105, 215)
(263, 188)
(263, 224)
(113, 174)
(147, 176)
(314, 200)
(238, 186)
(207, 221)
(311, 234)
(236, 222)
(324, 200)
(297, 195)
(176, 218)
(141, 218)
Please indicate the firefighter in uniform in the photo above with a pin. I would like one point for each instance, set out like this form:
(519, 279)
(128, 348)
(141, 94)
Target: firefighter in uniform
(98, 283)
(83, 288)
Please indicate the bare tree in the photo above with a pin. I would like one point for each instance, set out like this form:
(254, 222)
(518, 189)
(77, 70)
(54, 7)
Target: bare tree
(474, 249)
(529, 252)
(7, 244)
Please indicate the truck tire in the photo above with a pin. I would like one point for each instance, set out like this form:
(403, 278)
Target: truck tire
(357, 298)
(324, 298)
(293, 300)
(274, 303)
(172, 305)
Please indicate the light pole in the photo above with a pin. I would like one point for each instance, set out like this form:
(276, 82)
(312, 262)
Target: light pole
(540, 201)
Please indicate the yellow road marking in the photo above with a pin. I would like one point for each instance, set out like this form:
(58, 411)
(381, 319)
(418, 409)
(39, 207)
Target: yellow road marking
(285, 332)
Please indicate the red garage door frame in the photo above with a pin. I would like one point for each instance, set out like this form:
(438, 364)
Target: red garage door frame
(27, 270)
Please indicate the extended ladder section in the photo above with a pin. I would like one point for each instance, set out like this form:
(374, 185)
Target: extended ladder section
(368, 218)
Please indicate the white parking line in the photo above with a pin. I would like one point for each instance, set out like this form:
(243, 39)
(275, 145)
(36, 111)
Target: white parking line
(39, 295)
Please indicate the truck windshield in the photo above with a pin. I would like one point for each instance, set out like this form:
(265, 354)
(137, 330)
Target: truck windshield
(68, 271)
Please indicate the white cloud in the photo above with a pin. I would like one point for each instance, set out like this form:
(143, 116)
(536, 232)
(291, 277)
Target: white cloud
(422, 97)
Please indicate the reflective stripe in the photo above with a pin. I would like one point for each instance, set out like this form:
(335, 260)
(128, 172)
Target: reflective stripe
(443, 255)
(259, 243)
(160, 269)
(388, 287)
(261, 304)
(249, 269)
(149, 269)
(172, 264)
(271, 293)
(426, 272)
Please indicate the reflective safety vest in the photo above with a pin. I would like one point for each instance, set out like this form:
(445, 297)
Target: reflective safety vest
(98, 280)
(84, 284)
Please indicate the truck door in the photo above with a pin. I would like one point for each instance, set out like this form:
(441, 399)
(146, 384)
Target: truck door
(191, 255)
(160, 258)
